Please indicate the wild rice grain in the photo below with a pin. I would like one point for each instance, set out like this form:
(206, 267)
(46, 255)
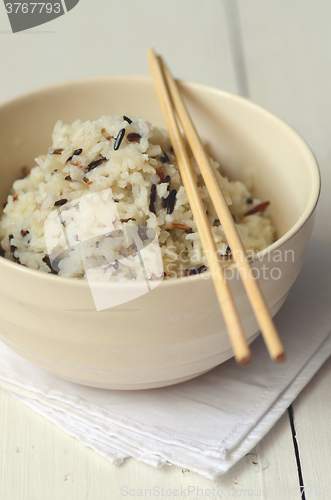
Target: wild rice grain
(152, 199)
(142, 234)
(133, 137)
(160, 173)
(258, 209)
(94, 164)
(165, 157)
(184, 227)
(127, 119)
(119, 139)
(59, 203)
(75, 153)
(171, 202)
(227, 255)
(196, 270)
(12, 247)
(25, 172)
(47, 261)
(165, 200)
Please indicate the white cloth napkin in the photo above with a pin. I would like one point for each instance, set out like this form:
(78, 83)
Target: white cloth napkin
(206, 424)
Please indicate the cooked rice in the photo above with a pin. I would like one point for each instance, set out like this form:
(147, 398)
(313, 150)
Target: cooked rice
(83, 161)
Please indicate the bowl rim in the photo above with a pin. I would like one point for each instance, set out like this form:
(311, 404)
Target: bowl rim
(294, 134)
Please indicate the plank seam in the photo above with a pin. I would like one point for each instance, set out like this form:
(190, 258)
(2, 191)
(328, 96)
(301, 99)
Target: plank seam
(297, 453)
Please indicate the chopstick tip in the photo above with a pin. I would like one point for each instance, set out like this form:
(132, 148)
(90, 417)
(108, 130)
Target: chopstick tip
(244, 359)
(280, 357)
(151, 52)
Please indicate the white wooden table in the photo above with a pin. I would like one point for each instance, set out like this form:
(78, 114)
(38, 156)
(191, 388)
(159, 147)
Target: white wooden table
(278, 52)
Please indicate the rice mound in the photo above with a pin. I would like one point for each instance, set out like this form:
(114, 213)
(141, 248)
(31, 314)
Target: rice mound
(136, 161)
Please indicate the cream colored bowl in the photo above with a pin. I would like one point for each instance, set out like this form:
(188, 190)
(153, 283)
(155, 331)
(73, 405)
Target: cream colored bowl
(176, 331)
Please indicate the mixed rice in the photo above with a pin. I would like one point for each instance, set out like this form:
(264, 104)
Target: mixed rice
(133, 161)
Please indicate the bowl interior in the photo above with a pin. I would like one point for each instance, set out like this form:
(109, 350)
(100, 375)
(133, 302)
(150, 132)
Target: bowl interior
(251, 144)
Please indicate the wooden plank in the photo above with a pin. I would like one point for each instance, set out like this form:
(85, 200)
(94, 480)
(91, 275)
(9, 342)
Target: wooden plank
(37, 460)
(287, 48)
(287, 53)
(112, 38)
(312, 411)
(269, 470)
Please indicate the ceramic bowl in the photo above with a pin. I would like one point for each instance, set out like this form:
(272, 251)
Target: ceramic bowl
(176, 331)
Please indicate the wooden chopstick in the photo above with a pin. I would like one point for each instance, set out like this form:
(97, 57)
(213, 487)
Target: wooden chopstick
(237, 337)
(262, 313)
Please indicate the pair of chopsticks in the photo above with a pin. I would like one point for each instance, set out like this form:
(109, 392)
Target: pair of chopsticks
(171, 103)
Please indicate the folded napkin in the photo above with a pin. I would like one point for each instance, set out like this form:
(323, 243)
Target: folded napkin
(206, 424)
